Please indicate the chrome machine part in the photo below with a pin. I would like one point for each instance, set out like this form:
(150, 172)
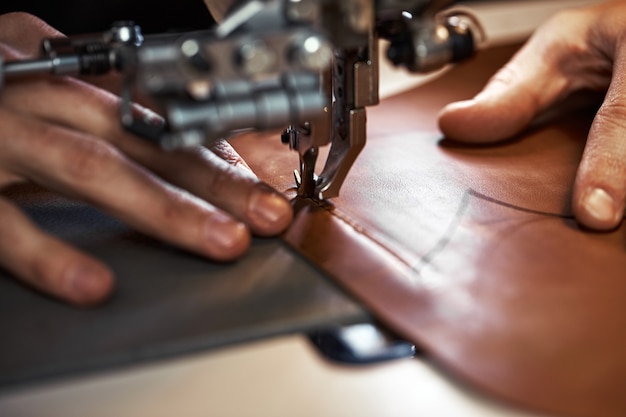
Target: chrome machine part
(311, 65)
(422, 38)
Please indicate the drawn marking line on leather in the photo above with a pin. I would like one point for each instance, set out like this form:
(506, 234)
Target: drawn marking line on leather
(443, 242)
(415, 262)
(482, 196)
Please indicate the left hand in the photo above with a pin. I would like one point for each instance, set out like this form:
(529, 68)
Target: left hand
(65, 135)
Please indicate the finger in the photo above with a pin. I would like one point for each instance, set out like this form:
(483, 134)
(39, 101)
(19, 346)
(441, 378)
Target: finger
(88, 168)
(508, 103)
(47, 264)
(15, 25)
(231, 187)
(553, 63)
(24, 32)
(225, 151)
(600, 185)
(226, 184)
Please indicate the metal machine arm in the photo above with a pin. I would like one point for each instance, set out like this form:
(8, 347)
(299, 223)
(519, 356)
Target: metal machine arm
(311, 65)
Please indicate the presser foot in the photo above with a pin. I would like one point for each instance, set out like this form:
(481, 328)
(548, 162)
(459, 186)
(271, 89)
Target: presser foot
(306, 179)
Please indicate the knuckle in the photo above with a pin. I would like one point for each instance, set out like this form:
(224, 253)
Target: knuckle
(90, 160)
(225, 151)
(176, 207)
(610, 120)
(562, 17)
(221, 180)
(564, 38)
(90, 95)
(604, 161)
(613, 107)
(564, 21)
(102, 106)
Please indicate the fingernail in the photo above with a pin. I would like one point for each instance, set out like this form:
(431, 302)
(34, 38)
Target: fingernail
(226, 233)
(600, 205)
(86, 284)
(268, 206)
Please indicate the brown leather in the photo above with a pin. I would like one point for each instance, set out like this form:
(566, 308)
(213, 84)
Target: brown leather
(472, 252)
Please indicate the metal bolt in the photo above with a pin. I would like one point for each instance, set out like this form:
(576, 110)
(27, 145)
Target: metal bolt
(302, 10)
(191, 49)
(313, 53)
(126, 32)
(255, 57)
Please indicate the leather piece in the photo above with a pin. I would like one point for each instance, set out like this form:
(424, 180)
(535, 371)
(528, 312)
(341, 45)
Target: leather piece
(167, 302)
(472, 252)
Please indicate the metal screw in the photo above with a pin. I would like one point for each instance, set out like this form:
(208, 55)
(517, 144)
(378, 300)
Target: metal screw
(302, 10)
(191, 49)
(255, 57)
(313, 53)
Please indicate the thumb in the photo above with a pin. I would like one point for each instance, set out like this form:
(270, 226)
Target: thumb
(524, 87)
(600, 186)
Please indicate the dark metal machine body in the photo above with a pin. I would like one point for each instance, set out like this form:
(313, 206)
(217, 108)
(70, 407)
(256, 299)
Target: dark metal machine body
(311, 65)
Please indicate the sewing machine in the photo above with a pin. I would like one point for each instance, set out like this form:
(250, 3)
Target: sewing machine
(311, 65)
(276, 376)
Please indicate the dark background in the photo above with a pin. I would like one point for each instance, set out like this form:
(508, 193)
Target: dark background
(80, 16)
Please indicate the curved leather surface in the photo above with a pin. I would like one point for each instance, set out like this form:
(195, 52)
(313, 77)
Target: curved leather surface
(472, 252)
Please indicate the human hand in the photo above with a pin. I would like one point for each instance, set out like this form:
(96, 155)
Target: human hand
(64, 134)
(578, 49)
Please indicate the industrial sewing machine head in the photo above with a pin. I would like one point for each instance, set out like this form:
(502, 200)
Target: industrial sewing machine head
(339, 40)
(311, 65)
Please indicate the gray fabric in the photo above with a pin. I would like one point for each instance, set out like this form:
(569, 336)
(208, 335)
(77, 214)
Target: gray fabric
(167, 301)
